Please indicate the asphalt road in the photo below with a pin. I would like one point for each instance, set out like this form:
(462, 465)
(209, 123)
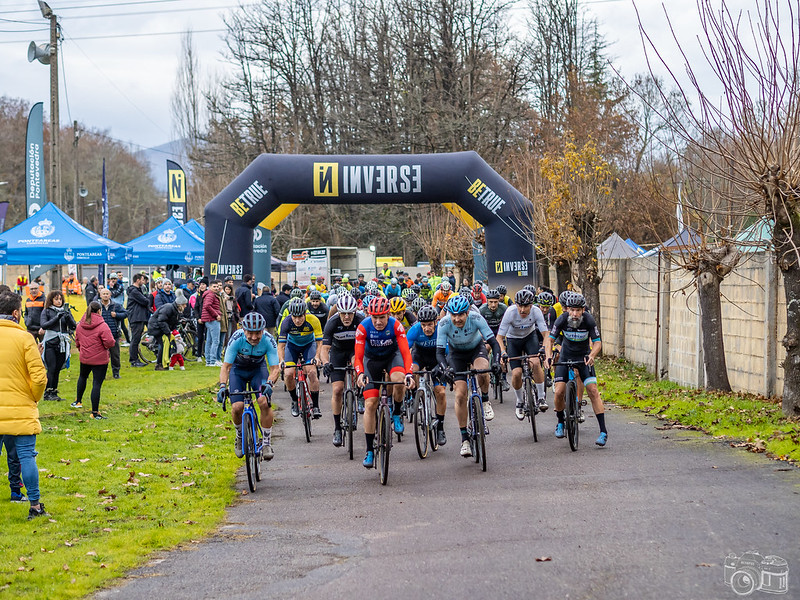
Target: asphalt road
(652, 515)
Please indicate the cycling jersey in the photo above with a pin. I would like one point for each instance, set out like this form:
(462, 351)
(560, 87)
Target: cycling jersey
(440, 298)
(474, 331)
(478, 300)
(575, 343)
(383, 344)
(321, 312)
(409, 318)
(515, 326)
(493, 317)
(422, 346)
(240, 353)
(426, 291)
(301, 335)
(339, 336)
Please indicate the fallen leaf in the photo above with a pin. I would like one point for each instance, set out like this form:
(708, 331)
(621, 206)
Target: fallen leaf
(102, 566)
(80, 496)
(704, 565)
(102, 492)
(543, 558)
(65, 567)
(91, 553)
(189, 522)
(80, 509)
(68, 545)
(84, 460)
(107, 529)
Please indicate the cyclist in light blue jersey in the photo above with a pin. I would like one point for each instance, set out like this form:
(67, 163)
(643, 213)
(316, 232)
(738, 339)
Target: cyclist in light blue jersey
(250, 351)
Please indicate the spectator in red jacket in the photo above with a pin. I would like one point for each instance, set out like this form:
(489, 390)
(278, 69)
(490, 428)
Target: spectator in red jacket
(211, 317)
(93, 339)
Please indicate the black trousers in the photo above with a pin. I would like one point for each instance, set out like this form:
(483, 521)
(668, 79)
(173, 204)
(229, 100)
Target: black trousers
(54, 359)
(136, 338)
(114, 353)
(201, 340)
(98, 376)
(123, 327)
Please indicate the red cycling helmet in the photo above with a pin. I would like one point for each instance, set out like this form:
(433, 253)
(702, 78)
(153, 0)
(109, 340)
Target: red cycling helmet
(378, 306)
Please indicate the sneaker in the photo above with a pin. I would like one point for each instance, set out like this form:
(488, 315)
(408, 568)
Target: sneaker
(267, 453)
(218, 363)
(488, 411)
(337, 437)
(76, 404)
(183, 368)
(601, 441)
(237, 445)
(466, 451)
(504, 384)
(199, 359)
(560, 430)
(124, 344)
(170, 368)
(160, 368)
(398, 423)
(441, 438)
(48, 395)
(96, 416)
(360, 405)
(40, 512)
(139, 364)
(543, 406)
(316, 412)
(369, 459)
(211, 365)
(295, 409)
(520, 411)
(18, 497)
(116, 375)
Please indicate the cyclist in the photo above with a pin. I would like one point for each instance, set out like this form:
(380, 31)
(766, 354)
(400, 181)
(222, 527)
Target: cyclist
(317, 307)
(504, 297)
(400, 311)
(493, 312)
(478, 297)
(463, 333)
(581, 337)
(519, 334)
(250, 351)
(338, 348)
(545, 301)
(381, 345)
(425, 289)
(466, 293)
(422, 340)
(418, 303)
(393, 288)
(300, 334)
(284, 312)
(442, 295)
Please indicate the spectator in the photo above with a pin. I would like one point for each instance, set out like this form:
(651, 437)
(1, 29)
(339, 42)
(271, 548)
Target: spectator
(177, 356)
(386, 272)
(283, 297)
(34, 305)
(197, 312)
(161, 323)
(90, 292)
(14, 468)
(244, 296)
(112, 313)
(58, 324)
(231, 321)
(267, 306)
(22, 383)
(211, 316)
(186, 313)
(138, 313)
(165, 295)
(118, 295)
(22, 285)
(452, 278)
(93, 339)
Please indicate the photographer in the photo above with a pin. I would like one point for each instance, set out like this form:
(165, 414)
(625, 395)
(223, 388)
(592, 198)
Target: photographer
(138, 313)
(58, 324)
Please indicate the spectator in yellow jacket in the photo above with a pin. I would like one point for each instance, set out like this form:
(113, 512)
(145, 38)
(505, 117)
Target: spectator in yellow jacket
(22, 383)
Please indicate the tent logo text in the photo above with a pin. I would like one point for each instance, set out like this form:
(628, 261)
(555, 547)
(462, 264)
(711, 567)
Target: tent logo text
(167, 236)
(43, 228)
(69, 254)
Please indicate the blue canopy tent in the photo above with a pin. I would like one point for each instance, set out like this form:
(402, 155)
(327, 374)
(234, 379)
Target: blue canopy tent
(51, 237)
(169, 243)
(196, 229)
(3, 250)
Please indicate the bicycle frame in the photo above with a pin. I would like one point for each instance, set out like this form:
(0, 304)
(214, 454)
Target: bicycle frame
(252, 439)
(383, 429)
(349, 413)
(304, 399)
(476, 424)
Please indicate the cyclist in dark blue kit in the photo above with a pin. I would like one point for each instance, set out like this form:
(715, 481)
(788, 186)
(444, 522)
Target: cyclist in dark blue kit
(250, 351)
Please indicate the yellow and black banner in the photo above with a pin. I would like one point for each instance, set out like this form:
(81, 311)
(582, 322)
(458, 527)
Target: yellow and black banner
(176, 191)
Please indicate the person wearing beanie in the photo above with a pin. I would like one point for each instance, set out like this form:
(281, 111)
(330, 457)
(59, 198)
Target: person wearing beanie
(161, 324)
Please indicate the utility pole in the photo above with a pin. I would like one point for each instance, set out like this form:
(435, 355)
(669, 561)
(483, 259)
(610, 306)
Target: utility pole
(55, 159)
(76, 213)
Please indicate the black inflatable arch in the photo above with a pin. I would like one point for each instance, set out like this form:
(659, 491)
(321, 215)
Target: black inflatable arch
(462, 178)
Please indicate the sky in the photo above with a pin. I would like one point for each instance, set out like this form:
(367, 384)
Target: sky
(120, 57)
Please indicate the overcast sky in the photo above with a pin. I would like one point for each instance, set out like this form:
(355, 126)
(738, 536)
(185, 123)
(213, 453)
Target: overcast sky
(122, 80)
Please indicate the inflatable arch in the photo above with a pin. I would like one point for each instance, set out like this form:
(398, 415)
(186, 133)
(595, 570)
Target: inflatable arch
(273, 185)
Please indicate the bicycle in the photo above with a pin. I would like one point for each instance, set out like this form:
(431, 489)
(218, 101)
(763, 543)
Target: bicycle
(383, 429)
(476, 424)
(349, 418)
(574, 411)
(252, 438)
(304, 404)
(425, 422)
(497, 384)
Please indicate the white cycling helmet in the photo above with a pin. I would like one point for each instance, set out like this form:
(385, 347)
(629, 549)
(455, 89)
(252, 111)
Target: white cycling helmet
(347, 304)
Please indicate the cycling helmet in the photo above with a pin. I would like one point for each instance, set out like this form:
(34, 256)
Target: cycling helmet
(530, 288)
(406, 292)
(427, 313)
(457, 305)
(416, 288)
(410, 298)
(524, 297)
(502, 290)
(356, 292)
(371, 286)
(466, 292)
(562, 298)
(478, 287)
(311, 288)
(394, 280)
(378, 306)
(424, 280)
(575, 300)
(445, 286)
(315, 295)
(296, 293)
(493, 294)
(418, 304)
(397, 305)
(347, 304)
(545, 299)
(297, 307)
(253, 321)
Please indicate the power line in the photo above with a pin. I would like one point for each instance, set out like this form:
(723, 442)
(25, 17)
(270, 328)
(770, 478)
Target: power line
(151, 12)
(126, 35)
(106, 5)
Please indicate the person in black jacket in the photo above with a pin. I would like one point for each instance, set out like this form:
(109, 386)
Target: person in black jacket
(267, 306)
(138, 313)
(90, 292)
(118, 295)
(161, 324)
(165, 295)
(197, 312)
(283, 297)
(112, 313)
(58, 323)
(244, 296)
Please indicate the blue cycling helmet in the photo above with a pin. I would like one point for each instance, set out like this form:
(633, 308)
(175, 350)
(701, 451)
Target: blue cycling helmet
(253, 321)
(457, 305)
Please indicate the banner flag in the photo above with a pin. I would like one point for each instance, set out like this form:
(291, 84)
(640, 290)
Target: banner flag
(176, 192)
(3, 211)
(35, 188)
(101, 269)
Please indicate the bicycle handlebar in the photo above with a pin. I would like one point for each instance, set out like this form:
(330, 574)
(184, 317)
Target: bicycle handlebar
(473, 372)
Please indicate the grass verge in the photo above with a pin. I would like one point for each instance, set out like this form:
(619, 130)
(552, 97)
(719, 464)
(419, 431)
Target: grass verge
(749, 421)
(158, 472)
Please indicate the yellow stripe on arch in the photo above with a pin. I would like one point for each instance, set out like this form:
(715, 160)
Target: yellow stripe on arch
(463, 215)
(277, 215)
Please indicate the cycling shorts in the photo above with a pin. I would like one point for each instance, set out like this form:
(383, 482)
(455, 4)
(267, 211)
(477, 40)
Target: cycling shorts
(374, 368)
(425, 362)
(530, 344)
(585, 372)
(338, 359)
(292, 352)
(240, 377)
(461, 360)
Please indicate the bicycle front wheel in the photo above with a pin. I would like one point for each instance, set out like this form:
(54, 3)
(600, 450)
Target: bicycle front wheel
(189, 338)
(422, 424)
(479, 432)
(572, 415)
(248, 445)
(385, 444)
(348, 420)
(530, 398)
(147, 352)
(432, 430)
(305, 409)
